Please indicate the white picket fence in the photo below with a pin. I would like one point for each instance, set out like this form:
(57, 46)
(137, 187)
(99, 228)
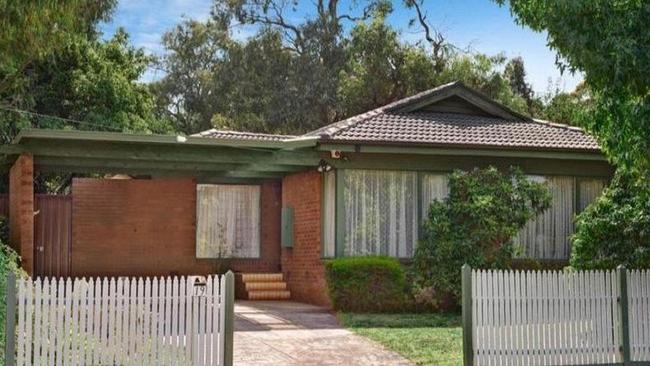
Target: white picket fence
(124, 321)
(557, 318)
(639, 303)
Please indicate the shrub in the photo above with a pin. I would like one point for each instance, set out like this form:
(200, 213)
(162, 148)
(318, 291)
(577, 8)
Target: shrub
(615, 229)
(475, 224)
(8, 263)
(366, 284)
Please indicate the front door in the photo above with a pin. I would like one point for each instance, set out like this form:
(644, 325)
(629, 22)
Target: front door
(52, 235)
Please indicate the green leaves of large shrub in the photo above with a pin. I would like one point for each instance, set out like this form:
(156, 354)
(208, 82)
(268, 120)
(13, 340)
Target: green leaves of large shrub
(615, 229)
(475, 224)
(366, 284)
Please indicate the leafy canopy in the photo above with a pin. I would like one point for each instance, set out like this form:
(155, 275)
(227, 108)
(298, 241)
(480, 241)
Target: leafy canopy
(475, 224)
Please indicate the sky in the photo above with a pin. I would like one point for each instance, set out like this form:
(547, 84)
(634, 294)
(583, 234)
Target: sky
(480, 25)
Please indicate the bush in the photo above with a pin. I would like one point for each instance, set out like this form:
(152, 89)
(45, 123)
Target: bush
(615, 229)
(366, 284)
(8, 263)
(475, 224)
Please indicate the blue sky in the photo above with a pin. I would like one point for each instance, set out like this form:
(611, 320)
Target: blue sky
(479, 24)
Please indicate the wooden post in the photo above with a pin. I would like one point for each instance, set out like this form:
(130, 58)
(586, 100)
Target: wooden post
(10, 321)
(468, 347)
(230, 319)
(623, 313)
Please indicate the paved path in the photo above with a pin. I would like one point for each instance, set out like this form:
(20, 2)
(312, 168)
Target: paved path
(289, 333)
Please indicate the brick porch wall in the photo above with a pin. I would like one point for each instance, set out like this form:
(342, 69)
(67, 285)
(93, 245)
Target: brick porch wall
(147, 227)
(302, 265)
(21, 210)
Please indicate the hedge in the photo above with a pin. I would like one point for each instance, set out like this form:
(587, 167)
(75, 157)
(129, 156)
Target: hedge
(366, 284)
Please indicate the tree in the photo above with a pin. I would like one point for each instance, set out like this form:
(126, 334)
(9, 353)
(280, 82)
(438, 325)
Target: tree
(189, 93)
(566, 107)
(609, 41)
(91, 81)
(475, 224)
(31, 30)
(614, 229)
(515, 73)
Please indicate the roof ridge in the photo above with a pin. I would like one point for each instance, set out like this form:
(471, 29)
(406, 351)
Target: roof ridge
(349, 122)
(559, 125)
(234, 132)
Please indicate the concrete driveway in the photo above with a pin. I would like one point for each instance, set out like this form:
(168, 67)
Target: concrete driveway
(289, 333)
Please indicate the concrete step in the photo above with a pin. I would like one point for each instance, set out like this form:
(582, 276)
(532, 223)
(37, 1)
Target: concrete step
(269, 295)
(262, 277)
(262, 286)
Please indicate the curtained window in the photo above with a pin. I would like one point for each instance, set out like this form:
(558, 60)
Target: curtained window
(329, 214)
(228, 221)
(589, 190)
(547, 235)
(380, 212)
(434, 187)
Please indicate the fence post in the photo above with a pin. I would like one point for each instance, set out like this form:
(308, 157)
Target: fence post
(468, 348)
(229, 319)
(10, 320)
(623, 313)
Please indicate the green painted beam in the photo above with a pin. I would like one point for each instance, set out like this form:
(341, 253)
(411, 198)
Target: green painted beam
(202, 154)
(463, 151)
(71, 164)
(87, 169)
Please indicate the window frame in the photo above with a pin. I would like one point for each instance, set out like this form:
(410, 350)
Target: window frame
(260, 207)
(339, 214)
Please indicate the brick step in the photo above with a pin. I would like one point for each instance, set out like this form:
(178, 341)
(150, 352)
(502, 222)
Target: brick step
(261, 277)
(269, 295)
(263, 286)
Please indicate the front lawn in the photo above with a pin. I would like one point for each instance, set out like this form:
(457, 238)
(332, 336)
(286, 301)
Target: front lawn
(426, 339)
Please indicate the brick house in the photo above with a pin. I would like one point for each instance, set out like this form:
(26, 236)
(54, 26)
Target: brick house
(274, 207)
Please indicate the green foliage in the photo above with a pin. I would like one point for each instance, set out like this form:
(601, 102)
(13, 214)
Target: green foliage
(9, 261)
(366, 284)
(609, 41)
(32, 30)
(615, 229)
(475, 224)
(292, 77)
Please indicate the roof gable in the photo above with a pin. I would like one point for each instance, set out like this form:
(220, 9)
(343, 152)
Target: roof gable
(457, 98)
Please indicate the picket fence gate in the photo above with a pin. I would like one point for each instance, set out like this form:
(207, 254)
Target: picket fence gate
(556, 317)
(120, 321)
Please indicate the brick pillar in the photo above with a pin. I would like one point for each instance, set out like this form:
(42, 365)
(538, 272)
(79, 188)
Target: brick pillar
(21, 210)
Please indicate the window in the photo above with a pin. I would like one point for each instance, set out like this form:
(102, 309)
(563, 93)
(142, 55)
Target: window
(380, 211)
(228, 221)
(548, 235)
(434, 187)
(589, 190)
(329, 214)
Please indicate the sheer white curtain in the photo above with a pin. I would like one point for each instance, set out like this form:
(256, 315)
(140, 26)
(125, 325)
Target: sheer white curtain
(380, 211)
(228, 221)
(589, 189)
(434, 187)
(547, 236)
(329, 214)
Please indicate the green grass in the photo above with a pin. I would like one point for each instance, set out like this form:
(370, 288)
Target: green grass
(426, 339)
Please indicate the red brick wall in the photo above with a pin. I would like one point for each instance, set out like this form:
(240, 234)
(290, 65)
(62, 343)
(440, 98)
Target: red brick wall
(147, 227)
(302, 265)
(21, 210)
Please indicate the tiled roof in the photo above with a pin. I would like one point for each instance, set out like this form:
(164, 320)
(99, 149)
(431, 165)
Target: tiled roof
(239, 135)
(430, 128)
(408, 121)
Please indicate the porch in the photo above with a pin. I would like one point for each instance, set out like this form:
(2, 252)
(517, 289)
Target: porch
(136, 210)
